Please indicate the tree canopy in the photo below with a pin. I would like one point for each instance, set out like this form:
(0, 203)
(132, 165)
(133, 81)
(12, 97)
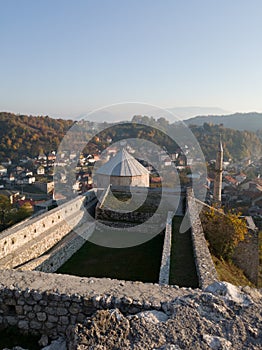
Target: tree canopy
(22, 135)
(223, 231)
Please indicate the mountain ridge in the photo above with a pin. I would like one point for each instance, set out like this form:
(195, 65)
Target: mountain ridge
(22, 135)
(251, 121)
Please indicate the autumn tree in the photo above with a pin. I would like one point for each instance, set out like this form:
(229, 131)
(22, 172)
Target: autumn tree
(223, 231)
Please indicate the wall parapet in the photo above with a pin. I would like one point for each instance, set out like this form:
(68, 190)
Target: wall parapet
(166, 253)
(206, 270)
(49, 304)
(35, 236)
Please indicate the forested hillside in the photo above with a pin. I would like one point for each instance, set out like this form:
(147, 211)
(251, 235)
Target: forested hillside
(27, 135)
(237, 144)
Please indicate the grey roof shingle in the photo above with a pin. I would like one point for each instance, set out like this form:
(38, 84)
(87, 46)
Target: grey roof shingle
(123, 164)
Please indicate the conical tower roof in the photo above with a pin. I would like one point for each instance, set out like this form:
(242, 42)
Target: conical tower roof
(122, 164)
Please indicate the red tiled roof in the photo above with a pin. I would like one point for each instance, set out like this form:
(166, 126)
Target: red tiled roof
(231, 179)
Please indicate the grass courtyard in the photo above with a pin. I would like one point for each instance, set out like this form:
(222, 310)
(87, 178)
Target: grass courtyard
(138, 263)
(182, 265)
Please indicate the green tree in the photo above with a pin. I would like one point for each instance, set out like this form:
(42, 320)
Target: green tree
(23, 212)
(5, 210)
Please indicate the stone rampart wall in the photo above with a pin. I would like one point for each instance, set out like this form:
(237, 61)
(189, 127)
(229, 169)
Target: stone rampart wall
(166, 253)
(206, 270)
(135, 217)
(52, 261)
(31, 238)
(18, 235)
(49, 303)
(246, 256)
(57, 258)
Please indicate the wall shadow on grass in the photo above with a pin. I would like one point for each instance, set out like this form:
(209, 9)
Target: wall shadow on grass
(138, 263)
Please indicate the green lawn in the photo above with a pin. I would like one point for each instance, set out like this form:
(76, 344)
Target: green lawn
(182, 264)
(138, 263)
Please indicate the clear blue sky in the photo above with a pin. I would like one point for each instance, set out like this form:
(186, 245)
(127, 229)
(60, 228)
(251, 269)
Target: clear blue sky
(62, 57)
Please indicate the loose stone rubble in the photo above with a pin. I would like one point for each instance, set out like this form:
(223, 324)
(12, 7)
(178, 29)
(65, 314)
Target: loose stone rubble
(193, 321)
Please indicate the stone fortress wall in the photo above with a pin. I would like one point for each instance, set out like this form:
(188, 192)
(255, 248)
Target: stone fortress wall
(206, 270)
(164, 273)
(45, 303)
(47, 241)
(48, 303)
(36, 236)
(52, 260)
(247, 256)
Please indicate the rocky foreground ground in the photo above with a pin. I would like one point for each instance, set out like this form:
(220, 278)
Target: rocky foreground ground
(221, 317)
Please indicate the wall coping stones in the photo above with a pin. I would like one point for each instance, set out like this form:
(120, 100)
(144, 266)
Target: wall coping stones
(67, 285)
(206, 270)
(166, 253)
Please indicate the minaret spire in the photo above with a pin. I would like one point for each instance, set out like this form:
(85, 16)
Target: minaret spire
(218, 173)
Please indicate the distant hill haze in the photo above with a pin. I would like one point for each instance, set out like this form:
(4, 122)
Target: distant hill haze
(239, 121)
(125, 111)
(22, 135)
(193, 111)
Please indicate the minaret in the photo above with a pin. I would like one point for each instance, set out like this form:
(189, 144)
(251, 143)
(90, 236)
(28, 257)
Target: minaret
(218, 174)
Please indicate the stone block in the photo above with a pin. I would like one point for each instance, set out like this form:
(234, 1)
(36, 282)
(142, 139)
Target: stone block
(52, 318)
(37, 308)
(37, 296)
(61, 329)
(43, 341)
(10, 302)
(11, 320)
(28, 308)
(31, 315)
(50, 325)
(60, 311)
(81, 317)
(64, 320)
(23, 324)
(19, 309)
(41, 316)
(35, 325)
(49, 310)
(30, 301)
(74, 309)
(73, 319)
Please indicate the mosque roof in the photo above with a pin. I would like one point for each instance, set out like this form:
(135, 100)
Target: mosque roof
(122, 164)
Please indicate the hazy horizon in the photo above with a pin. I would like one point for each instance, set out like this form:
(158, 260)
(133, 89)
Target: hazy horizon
(65, 58)
(170, 114)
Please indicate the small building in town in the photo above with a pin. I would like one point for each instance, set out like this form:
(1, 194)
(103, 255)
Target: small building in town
(3, 170)
(122, 170)
(40, 170)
